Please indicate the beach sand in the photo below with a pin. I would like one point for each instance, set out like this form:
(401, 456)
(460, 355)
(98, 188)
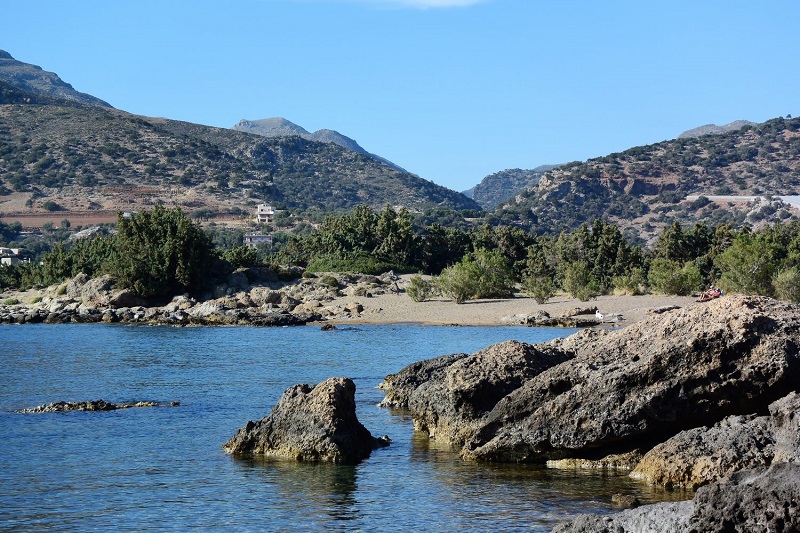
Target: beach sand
(399, 308)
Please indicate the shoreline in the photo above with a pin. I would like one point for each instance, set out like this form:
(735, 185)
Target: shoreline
(401, 309)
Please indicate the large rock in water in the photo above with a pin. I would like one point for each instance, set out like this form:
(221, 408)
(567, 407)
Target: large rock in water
(645, 383)
(309, 424)
(449, 394)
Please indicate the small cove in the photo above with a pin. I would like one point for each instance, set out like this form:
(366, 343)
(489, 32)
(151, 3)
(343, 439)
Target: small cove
(162, 468)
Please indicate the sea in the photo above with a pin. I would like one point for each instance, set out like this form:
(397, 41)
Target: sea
(163, 468)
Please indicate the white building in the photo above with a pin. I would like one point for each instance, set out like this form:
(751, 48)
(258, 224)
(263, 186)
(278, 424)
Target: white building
(265, 214)
(11, 256)
(251, 240)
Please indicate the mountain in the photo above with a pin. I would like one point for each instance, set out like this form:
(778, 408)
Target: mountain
(74, 158)
(646, 188)
(496, 188)
(280, 127)
(32, 79)
(713, 129)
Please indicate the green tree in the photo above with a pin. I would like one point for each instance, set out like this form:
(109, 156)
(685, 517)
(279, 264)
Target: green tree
(747, 265)
(482, 274)
(241, 256)
(787, 285)
(160, 253)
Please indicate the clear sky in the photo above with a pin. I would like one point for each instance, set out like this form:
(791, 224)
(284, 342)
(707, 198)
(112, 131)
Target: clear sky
(452, 90)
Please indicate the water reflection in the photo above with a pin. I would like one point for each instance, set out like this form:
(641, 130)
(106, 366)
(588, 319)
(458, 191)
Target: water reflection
(307, 489)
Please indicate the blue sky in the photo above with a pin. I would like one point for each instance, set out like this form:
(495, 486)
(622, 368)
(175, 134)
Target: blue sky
(452, 90)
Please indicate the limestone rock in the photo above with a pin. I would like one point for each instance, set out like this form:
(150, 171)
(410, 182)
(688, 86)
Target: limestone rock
(309, 424)
(786, 427)
(643, 384)
(704, 455)
(448, 404)
(667, 517)
(752, 502)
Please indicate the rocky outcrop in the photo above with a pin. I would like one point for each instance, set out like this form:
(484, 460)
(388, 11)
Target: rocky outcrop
(643, 384)
(448, 395)
(252, 297)
(309, 424)
(700, 456)
(667, 517)
(786, 428)
(91, 405)
(753, 501)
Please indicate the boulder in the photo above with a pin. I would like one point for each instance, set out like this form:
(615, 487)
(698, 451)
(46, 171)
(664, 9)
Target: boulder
(448, 404)
(309, 424)
(752, 502)
(641, 385)
(704, 455)
(666, 517)
(786, 427)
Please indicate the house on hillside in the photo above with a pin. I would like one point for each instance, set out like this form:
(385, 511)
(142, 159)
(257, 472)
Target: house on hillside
(11, 256)
(265, 214)
(253, 239)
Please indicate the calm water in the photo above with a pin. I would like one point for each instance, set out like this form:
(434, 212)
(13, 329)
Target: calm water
(163, 468)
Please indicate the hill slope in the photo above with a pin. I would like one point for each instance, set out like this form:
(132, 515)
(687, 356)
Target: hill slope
(504, 185)
(32, 79)
(645, 188)
(57, 153)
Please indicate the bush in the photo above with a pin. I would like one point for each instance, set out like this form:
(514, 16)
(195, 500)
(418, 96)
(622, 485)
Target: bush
(330, 282)
(10, 301)
(540, 288)
(669, 277)
(633, 282)
(421, 289)
(483, 274)
(241, 256)
(787, 285)
(579, 282)
(357, 265)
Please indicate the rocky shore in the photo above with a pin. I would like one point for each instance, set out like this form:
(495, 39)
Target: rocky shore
(91, 405)
(690, 397)
(254, 297)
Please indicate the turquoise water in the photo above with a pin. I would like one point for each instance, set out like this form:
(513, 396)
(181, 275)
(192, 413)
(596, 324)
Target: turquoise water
(162, 468)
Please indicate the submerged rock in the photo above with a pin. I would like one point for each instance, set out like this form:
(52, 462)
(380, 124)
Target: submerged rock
(91, 405)
(310, 424)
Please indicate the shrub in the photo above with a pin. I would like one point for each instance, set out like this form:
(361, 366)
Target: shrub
(241, 256)
(579, 282)
(633, 282)
(357, 265)
(669, 277)
(483, 274)
(421, 289)
(540, 288)
(787, 285)
(330, 282)
(10, 301)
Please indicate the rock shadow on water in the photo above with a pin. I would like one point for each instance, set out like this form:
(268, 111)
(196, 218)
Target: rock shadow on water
(302, 487)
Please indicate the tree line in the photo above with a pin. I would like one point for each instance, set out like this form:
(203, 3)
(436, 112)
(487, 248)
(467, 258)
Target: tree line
(162, 253)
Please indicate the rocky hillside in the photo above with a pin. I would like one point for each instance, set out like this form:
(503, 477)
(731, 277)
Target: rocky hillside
(713, 129)
(645, 188)
(32, 79)
(62, 155)
(280, 127)
(504, 185)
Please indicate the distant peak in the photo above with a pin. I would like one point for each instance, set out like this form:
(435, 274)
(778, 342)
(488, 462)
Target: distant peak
(5, 55)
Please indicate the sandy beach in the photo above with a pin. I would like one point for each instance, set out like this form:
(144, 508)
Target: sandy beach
(399, 308)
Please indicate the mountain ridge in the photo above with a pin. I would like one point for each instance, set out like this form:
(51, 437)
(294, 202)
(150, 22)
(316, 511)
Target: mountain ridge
(281, 127)
(33, 79)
